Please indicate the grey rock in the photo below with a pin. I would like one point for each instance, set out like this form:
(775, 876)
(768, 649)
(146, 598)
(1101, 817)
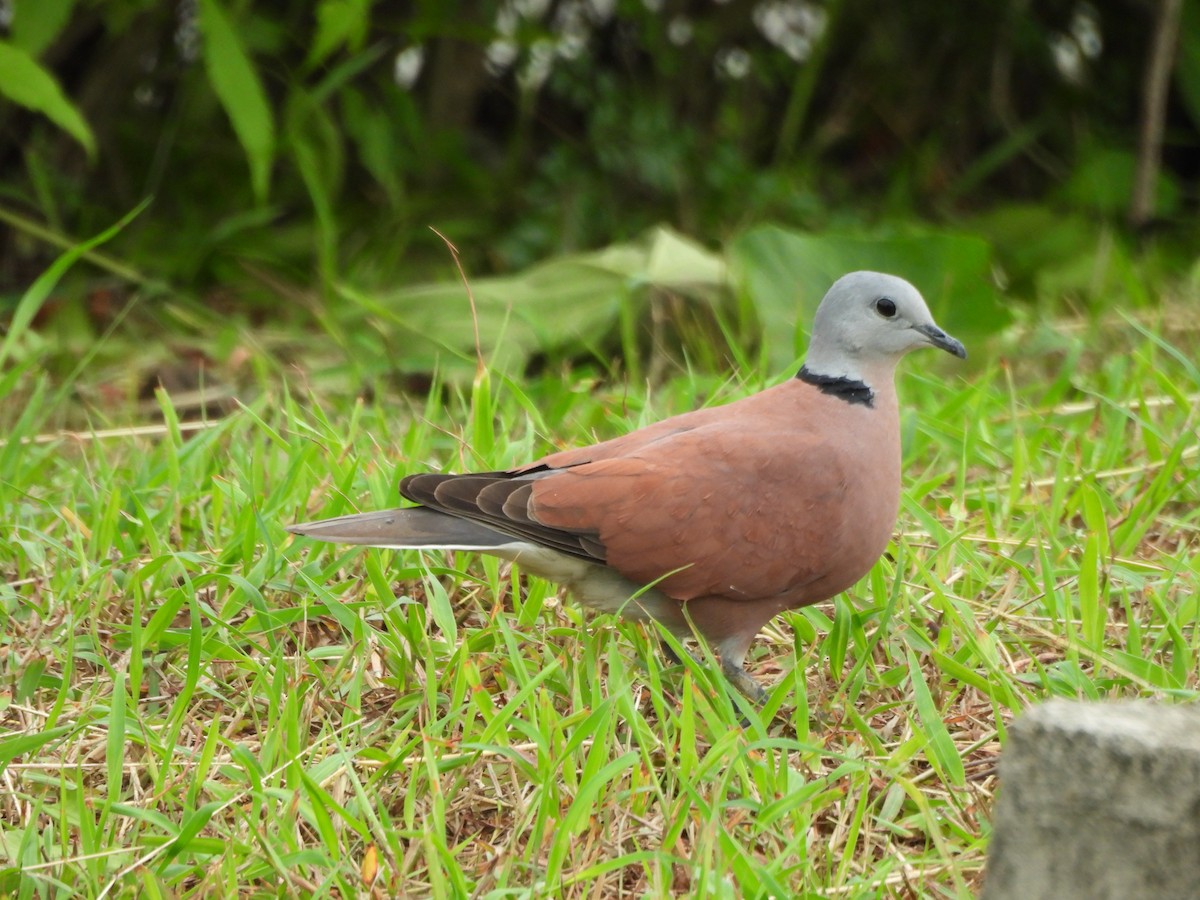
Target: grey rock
(1098, 801)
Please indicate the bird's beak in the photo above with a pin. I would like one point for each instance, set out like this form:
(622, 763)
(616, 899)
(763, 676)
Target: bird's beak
(940, 339)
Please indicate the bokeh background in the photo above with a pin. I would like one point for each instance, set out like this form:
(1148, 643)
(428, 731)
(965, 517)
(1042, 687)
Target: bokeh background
(290, 162)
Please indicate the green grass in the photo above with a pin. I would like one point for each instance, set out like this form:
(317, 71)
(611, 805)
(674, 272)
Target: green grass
(194, 704)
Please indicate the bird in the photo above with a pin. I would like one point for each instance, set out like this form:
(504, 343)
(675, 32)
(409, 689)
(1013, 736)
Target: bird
(714, 521)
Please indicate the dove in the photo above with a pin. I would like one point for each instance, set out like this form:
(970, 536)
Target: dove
(714, 521)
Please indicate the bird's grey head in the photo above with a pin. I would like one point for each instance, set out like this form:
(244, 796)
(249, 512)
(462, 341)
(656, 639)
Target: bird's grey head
(866, 322)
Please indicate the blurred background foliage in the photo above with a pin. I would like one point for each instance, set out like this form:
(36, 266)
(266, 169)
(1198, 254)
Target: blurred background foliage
(586, 157)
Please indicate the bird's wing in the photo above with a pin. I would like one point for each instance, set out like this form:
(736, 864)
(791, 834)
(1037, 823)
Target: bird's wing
(708, 512)
(499, 500)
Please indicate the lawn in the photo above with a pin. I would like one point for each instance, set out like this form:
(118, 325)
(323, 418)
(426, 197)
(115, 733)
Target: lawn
(196, 704)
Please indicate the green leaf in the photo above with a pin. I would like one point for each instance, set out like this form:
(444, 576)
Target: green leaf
(1102, 183)
(561, 304)
(372, 131)
(939, 745)
(26, 83)
(33, 298)
(339, 22)
(14, 745)
(574, 821)
(241, 93)
(1094, 517)
(35, 25)
(192, 826)
(441, 609)
(1092, 609)
(1062, 259)
(316, 146)
(839, 637)
(786, 273)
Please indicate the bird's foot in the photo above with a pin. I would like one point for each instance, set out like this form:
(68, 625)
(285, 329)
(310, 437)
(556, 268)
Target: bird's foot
(744, 682)
(734, 674)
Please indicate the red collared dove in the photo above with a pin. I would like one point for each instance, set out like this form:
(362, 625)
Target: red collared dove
(731, 514)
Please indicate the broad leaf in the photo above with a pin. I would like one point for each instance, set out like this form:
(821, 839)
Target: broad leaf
(241, 93)
(35, 25)
(1102, 182)
(25, 82)
(339, 22)
(567, 303)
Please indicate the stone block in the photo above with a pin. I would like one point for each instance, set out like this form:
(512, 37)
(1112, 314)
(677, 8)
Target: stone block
(1098, 801)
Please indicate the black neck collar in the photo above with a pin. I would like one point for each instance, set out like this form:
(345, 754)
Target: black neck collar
(848, 389)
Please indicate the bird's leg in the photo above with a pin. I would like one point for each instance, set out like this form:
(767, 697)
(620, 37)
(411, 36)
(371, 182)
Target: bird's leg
(669, 652)
(672, 657)
(743, 681)
(732, 651)
(733, 672)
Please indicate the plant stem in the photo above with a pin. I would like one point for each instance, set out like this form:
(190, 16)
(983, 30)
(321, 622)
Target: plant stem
(53, 238)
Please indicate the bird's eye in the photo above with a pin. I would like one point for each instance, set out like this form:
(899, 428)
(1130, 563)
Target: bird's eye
(886, 307)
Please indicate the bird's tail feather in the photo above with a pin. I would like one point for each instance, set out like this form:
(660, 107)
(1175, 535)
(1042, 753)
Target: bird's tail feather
(410, 527)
